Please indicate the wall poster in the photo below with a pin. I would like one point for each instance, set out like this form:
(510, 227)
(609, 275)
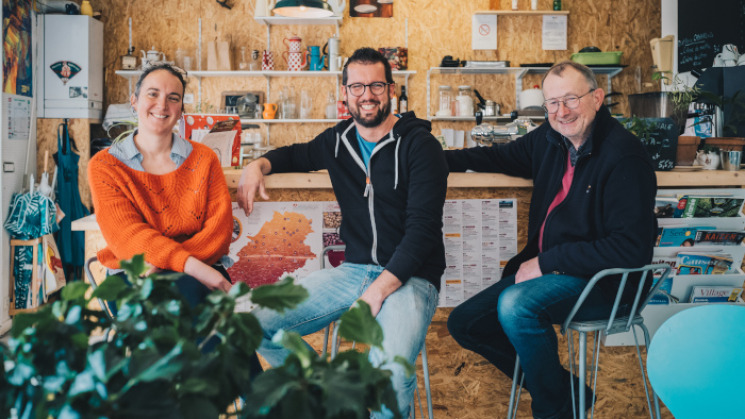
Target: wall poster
(17, 65)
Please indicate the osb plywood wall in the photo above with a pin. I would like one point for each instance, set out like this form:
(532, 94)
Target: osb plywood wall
(435, 28)
(464, 384)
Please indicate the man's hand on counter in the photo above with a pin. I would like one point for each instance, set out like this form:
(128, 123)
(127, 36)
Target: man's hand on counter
(252, 182)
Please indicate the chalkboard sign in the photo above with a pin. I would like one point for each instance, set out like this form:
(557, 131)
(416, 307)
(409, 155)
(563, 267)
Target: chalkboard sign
(704, 27)
(659, 137)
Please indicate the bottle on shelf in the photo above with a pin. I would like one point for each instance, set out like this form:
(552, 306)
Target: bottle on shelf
(557, 4)
(331, 106)
(394, 103)
(243, 65)
(403, 101)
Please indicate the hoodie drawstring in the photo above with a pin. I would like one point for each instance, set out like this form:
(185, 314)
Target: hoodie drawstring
(336, 149)
(398, 144)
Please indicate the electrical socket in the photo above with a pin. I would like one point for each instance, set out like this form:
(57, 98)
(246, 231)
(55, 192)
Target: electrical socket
(189, 98)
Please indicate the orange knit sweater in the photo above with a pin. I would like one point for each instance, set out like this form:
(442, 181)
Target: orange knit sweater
(167, 217)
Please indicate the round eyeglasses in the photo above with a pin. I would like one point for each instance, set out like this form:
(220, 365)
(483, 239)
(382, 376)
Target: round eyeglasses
(358, 89)
(570, 102)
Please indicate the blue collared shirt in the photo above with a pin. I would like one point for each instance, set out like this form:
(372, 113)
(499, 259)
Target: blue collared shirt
(126, 151)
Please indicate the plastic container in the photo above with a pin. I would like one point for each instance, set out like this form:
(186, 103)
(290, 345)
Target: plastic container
(598, 58)
(465, 101)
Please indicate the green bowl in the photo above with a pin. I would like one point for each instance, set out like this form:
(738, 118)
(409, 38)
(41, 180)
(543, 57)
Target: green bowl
(598, 58)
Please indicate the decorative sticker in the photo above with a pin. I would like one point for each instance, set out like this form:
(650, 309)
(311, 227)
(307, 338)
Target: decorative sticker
(65, 70)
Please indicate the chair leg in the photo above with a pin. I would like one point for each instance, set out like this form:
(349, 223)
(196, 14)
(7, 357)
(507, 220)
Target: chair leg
(595, 365)
(582, 374)
(427, 389)
(647, 389)
(570, 347)
(325, 340)
(515, 391)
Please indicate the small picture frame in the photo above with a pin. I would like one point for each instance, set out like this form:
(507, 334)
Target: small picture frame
(230, 97)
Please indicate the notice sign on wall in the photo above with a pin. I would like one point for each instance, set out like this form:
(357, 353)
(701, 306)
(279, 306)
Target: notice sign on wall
(484, 32)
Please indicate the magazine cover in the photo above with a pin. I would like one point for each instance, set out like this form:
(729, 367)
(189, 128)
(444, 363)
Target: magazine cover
(727, 238)
(715, 294)
(680, 236)
(700, 207)
(703, 264)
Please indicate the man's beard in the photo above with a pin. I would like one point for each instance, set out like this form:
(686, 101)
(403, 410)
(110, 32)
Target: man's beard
(383, 111)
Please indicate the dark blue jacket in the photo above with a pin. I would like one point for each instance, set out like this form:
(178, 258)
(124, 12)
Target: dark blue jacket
(607, 218)
(395, 219)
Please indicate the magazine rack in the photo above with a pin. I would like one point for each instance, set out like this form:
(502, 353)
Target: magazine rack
(681, 286)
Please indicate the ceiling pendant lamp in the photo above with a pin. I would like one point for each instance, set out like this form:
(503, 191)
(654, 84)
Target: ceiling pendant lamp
(303, 8)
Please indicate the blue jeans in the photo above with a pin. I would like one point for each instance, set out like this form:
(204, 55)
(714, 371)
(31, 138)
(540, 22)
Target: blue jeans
(508, 319)
(404, 317)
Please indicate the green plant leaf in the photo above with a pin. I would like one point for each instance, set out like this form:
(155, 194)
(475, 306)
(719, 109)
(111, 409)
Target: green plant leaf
(359, 325)
(84, 383)
(110, 288)
(74, 290)
(198, 408)
(295, 344)
(280, 295)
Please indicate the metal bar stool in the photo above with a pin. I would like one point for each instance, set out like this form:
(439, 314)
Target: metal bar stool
(608, 326)
(335, 348)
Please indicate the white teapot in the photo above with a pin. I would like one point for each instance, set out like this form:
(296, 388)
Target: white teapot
(151, 57)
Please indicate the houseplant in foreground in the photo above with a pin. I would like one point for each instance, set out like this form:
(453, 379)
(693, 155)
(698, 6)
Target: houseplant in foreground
(153, 366)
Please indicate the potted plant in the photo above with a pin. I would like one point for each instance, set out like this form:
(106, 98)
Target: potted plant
(153, 365)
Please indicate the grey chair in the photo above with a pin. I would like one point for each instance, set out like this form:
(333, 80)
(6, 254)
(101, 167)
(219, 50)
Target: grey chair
(608, 326)
(335, 341)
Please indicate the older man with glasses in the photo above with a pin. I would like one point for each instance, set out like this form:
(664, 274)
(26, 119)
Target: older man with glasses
(390, 177)
(592, 208)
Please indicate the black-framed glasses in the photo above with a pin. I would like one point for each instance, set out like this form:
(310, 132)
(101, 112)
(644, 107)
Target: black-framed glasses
(570, 102)
(358, 89)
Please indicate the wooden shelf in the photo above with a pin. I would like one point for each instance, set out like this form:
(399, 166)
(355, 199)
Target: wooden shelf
(320, 180)
(522, 12)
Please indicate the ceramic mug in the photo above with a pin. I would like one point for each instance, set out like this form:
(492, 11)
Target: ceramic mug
(729, 52)
(270, 110)
(718, 61)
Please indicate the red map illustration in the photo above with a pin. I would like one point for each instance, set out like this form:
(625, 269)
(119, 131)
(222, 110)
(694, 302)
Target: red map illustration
(277, 249)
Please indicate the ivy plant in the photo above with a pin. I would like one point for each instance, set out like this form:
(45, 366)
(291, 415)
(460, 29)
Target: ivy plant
(155, 363)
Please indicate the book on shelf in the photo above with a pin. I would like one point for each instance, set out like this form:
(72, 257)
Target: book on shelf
(691, 263)
(715, 294)
(679, 236)
(708, 206)
(726, 238)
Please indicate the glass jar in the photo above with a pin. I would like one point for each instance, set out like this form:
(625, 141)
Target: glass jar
(445, 98)
(465, 101)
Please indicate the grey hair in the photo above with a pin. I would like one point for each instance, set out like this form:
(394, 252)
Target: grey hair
(559, 68)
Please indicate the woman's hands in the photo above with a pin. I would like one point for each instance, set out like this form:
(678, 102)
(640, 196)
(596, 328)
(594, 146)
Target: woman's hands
(206, 274)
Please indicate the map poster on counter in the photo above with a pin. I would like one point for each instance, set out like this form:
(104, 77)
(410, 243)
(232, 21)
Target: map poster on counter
(276, 240)
(480, 237)
(287, 238)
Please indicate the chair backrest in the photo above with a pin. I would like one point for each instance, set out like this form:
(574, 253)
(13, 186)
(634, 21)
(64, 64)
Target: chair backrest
(92, 281)
(695, 362)
(640, 298)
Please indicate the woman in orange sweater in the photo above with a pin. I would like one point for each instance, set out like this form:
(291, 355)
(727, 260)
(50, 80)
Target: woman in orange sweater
(159, 194)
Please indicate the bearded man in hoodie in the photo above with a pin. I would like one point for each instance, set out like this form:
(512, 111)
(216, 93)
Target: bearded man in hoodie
(389, 176)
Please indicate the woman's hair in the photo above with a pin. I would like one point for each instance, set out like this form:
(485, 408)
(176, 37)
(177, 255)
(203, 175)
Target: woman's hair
(179, 73)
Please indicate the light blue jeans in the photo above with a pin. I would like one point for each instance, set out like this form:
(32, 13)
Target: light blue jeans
(404, 317)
